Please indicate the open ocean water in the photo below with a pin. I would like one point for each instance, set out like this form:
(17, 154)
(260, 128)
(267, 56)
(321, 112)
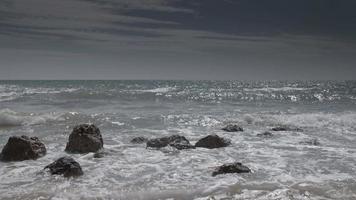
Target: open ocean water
(283, 167)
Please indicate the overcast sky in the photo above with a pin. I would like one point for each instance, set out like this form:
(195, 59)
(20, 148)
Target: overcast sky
(178, 39)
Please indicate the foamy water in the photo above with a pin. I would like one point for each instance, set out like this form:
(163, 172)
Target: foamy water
(283, 167)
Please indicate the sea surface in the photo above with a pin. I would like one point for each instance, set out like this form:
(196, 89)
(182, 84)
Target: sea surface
(284, 167)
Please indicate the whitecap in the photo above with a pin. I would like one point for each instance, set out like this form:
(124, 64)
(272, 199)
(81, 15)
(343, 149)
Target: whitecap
(270, 89)
(158, 90)
(11, 118)
(118, 123)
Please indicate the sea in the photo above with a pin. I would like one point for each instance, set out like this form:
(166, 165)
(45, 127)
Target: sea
(286, 166)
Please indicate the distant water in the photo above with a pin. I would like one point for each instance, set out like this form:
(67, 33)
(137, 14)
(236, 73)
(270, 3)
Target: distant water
(283, 167)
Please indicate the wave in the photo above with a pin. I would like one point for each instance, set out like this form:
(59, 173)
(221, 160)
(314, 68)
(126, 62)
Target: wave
(159, 90)
(12, 92)
(30, 91)
(11, 118)
(271, 89)
(210, 92)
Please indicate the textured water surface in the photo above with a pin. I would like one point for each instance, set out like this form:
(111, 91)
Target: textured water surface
(284, 166)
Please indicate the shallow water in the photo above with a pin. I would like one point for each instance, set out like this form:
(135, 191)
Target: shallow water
(283, 167)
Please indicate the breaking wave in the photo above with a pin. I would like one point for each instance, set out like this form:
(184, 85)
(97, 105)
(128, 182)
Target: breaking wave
(197, 91)
(12, 118)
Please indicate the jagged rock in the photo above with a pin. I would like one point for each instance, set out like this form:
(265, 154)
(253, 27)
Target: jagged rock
(20, 148)
(65, 166)
(85, 138)
(232, 128)
(286, 128)
(176, 141)
(265, 134)
(314, 142)
(213, 141)
(231, 168)
(139, 140)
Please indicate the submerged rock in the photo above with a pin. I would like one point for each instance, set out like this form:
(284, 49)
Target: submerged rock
(100, 154)
(313, 142)
(232, 128)
(265, 134)
(65, 166)
(20, 148)
(139, 140)
(231, 168)
(85, 138)
(286, 128)
(176, 141)
(213, 141)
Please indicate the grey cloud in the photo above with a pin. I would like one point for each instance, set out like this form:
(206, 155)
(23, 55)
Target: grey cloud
(179, 39)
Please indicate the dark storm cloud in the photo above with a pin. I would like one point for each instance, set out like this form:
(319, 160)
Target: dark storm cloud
(185, 39)
(237, 17)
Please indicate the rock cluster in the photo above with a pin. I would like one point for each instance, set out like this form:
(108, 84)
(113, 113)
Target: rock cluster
(87, 138)
(83, 139)
(176, 141)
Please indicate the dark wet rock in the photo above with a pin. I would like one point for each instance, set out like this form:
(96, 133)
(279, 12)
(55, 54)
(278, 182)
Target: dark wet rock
(85, 138)
(65, 166)
(313, 142)
(100, 154)
(20, 148)
(181, 146)
(213, 141)
(265, 134)
(286, 128)
(231, 168)
(176, 141)
(232, 128)
(139, 140)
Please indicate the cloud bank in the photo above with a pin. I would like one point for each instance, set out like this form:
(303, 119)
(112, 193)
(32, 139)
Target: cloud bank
(177, 39)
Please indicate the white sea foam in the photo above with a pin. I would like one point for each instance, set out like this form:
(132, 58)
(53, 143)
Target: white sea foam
(158, 90)
(11, 92)
(272, 89)
(8, 92)
(118, 123)
(12, 118)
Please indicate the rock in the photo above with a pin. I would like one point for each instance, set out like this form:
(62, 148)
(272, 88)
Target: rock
(313, 142)
(231, 168)
(176, 141)
(286, 128)
(20, 148)
(65, 166)
(139, 140)
(265, 134)
(100, 154)
(232, 128)
(84, 138)
(213, 141)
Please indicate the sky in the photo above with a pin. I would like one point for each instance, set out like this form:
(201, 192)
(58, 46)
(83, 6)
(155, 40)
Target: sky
(178, 39)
